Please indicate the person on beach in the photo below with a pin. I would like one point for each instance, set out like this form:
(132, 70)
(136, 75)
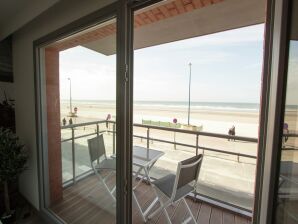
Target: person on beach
(70, 121)
(285, 133)
(107, 121)
(64, 121)
(232, 132)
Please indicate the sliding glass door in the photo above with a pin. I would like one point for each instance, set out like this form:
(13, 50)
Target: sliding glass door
(286, 197)
(79, 80)
(83, 107)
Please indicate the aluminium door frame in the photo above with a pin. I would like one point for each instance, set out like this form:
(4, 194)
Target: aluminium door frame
(283, 85)
(125, 112)
(120, 11)
(263, 118)
(274, 113)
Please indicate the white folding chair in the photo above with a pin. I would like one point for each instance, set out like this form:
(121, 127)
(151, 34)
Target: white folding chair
(100, 162)
(176, 187)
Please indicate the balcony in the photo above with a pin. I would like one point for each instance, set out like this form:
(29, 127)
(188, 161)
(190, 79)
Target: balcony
(226, 181)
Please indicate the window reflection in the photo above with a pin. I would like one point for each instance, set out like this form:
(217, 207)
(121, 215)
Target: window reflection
(287, 204)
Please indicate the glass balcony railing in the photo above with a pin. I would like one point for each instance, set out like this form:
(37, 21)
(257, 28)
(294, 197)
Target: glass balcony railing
(228, 171)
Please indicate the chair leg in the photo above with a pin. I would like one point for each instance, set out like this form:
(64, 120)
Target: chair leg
(111, 192)
(162, 208)
(138, 206)
(167, 216)
(155, 212)
(189, 211)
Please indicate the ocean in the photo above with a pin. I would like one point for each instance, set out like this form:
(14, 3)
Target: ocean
(219, 106)
(208, 106)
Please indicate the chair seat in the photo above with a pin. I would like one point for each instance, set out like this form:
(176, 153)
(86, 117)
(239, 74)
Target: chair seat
(166, 185)
(109, 164)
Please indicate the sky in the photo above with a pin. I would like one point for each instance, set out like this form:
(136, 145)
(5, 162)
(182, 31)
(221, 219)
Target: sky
(226, 67)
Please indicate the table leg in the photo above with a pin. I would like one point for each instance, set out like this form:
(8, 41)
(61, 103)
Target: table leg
(136, 176)
(147, 174)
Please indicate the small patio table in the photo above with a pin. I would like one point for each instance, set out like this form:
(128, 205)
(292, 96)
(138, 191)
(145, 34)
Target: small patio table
(144, 159)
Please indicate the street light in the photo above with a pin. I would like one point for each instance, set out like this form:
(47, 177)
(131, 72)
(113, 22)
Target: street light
(70, 103)
(189, 92)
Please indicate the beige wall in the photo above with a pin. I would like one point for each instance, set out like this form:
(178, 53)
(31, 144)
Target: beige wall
(56, 17)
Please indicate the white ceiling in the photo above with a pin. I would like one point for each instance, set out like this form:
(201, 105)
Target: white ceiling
(16, 13)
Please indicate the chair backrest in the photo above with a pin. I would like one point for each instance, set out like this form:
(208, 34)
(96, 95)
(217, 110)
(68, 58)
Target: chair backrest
(96, 148)
(188, 170)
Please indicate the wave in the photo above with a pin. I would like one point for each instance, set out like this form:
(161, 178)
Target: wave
(202, 105)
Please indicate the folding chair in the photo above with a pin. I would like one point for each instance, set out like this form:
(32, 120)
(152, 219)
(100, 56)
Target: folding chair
(100, 162)
(176, 187)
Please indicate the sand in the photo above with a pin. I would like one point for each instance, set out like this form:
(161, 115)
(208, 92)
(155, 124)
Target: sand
(246, 122)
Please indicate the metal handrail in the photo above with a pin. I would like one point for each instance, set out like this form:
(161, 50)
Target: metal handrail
(81, 136)
(202, 133)
(86, 124)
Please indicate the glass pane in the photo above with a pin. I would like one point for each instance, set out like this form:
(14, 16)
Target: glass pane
(80, 83)
(197, 81)
(287, 200)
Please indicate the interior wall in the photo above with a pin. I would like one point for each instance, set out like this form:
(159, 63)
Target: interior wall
(59, 15)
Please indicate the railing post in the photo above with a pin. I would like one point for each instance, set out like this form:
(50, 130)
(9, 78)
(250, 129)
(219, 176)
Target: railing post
(175, 140)
(197, 145)
(73, 155)
(97, 134)
(148, 136)
(114, 139)
(97, 129)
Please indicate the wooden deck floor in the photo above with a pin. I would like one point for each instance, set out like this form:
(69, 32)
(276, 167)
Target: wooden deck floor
(88, 202)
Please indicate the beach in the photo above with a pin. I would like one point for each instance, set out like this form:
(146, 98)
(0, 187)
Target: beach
(215, 120)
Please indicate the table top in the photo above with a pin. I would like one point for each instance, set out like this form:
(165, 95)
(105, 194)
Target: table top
(144, 157)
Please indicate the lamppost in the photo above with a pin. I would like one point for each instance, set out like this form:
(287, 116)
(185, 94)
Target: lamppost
(70, 103)
(189, 92)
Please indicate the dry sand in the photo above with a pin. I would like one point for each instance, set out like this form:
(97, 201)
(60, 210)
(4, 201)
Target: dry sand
(218, 121)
